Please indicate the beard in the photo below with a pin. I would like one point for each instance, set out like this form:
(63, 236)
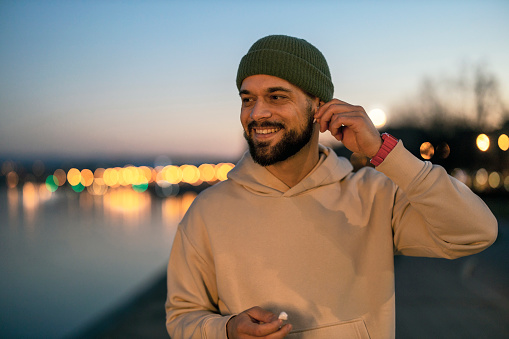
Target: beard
(292, 141)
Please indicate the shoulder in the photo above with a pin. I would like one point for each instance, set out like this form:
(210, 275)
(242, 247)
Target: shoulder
(212, 197)
(369, 180)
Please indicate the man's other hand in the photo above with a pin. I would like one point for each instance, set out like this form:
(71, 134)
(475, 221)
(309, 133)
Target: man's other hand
(256, 323)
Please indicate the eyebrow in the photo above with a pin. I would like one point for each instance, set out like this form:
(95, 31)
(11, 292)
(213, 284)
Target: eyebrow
(269, 90)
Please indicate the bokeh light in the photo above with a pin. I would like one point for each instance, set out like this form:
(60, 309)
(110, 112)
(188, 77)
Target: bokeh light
(172, 174)
(503, 142)
(207, 172)
(190, 174)
(87, 177)
(60, 176)
(146, 173)
(51, 183)
(166, 180)
(494, 179)
(74, 176)
(99, 173)
(222, 170)
(110, 177)
(483, 142)
(78, 188)
(481, 177)
(427, 150)
(12, 179)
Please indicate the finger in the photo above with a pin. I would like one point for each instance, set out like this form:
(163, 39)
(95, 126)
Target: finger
(323, 107)
(268, 328)
(337, 132)
(261, 315)
(258, 322)
(329, 110)
(283, 332)
(339, 121)
(260, 329)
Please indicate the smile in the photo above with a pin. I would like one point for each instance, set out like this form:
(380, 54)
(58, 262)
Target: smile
(266, 130)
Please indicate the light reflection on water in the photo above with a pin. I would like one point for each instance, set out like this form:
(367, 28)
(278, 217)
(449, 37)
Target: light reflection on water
(67, 258)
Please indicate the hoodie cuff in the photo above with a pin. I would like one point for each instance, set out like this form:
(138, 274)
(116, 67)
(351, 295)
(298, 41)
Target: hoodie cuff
(401, 166)
(215, 327)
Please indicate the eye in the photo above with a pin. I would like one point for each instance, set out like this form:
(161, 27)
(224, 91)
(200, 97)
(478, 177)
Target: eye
(246, 101)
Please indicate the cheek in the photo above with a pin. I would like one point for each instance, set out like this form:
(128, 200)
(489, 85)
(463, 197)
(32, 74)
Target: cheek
(244, 119)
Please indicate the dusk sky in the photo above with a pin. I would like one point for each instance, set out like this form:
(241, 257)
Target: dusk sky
(89, 78)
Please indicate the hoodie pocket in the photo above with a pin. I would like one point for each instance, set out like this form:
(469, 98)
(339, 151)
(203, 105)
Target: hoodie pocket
(341, 330)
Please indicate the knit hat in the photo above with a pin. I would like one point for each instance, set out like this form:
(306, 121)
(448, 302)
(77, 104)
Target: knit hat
(292, 59)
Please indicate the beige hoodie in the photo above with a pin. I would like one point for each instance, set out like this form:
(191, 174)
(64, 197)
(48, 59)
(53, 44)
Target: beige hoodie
(322, 251)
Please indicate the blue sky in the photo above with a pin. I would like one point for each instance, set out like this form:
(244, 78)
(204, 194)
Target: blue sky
(87, 78)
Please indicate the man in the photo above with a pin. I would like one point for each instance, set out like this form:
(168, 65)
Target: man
(293, 229)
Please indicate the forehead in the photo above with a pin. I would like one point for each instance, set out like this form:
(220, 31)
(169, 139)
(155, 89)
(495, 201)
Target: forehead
(266, 83)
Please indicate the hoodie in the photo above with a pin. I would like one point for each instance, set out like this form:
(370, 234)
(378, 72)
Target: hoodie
(322, 251)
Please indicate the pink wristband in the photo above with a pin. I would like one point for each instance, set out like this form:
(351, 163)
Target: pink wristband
(389, 142)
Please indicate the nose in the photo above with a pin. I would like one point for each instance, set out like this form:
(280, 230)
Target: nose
(260, 111)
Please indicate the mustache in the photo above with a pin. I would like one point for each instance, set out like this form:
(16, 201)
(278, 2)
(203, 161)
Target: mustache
(266, 124)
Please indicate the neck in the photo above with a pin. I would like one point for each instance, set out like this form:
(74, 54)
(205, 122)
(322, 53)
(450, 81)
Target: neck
(292, 170)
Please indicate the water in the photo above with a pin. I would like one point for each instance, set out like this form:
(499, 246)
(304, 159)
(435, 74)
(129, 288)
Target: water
(67, 258)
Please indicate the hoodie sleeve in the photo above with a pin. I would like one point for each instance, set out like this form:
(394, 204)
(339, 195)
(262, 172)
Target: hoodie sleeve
(192, 301)
(434, 214)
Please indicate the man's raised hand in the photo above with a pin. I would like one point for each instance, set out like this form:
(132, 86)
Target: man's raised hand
(351, 125)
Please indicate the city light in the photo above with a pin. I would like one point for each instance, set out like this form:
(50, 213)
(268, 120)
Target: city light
(483, 142)
(87, 177)
(12, 179)
(74, 176)
(166, 179)
(427, 150)
(494, 180)
(60, 177)
(503, 142)
(207, 172)
(52, 183)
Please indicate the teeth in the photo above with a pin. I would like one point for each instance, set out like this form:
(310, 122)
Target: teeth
(266, 131)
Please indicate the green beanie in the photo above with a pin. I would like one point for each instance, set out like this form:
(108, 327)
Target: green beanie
(292, 59)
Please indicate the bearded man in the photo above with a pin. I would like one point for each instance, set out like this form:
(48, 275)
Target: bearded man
(294, 229)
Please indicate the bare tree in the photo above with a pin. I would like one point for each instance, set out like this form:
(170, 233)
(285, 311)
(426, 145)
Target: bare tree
(469, 99)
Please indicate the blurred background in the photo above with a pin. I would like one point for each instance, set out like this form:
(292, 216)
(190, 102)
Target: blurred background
(114, 115)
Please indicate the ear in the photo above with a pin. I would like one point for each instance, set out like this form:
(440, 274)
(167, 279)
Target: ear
(316, 103)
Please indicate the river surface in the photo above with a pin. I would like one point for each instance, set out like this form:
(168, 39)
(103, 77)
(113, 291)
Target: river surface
(68, 258)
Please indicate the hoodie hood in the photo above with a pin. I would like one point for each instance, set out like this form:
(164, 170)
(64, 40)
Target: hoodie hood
(259, 180)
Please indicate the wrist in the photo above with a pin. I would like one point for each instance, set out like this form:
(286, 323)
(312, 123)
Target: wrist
(388, 144)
